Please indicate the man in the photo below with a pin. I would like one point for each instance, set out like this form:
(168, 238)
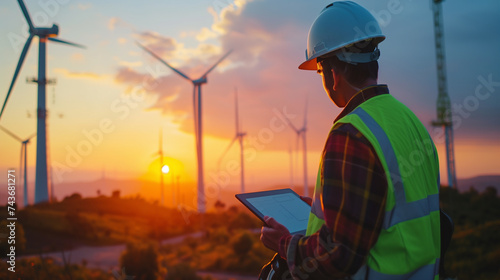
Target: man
(375, 211)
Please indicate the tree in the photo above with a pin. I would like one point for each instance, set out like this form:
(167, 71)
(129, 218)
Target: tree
(74, 196)
(115, 194)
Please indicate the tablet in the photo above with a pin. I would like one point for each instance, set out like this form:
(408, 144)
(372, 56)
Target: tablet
(284, 205)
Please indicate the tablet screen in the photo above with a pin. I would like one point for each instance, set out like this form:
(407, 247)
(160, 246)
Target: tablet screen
(285, 206)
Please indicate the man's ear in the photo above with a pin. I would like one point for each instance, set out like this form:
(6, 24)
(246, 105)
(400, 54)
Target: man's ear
(337, 79)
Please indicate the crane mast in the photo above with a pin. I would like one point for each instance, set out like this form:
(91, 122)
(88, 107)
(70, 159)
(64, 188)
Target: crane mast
(443, 101)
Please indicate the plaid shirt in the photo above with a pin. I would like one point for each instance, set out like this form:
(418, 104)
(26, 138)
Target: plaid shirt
(353, 202)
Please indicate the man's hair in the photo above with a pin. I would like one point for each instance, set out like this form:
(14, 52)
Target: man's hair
(357, 74)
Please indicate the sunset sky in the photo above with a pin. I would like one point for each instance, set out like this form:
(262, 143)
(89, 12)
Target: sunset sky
(116, 97)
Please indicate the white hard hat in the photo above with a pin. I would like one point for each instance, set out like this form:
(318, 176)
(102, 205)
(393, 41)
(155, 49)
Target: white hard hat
(340, 25)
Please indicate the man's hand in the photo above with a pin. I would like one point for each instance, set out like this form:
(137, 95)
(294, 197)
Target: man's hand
(272, 232)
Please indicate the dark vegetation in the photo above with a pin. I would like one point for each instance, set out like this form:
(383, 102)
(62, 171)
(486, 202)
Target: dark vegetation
(474, 251)
(228, 241)
(45, 268)
(104, 220)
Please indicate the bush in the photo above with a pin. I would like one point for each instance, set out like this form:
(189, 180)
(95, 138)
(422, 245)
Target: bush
(182, 271)
(242, 244)
(5, 233)
(219, 236)
(141, 261)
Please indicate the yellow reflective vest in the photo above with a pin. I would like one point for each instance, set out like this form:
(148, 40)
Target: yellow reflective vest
(408, 246)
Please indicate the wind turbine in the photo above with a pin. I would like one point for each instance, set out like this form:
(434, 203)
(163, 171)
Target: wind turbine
(301, 133)
(23, 160)
(198, 128)
(44, 34)
(239, 136)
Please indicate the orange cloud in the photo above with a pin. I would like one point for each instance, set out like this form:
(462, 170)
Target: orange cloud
(81, 75)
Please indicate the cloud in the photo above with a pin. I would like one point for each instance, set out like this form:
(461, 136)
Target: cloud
(129, 64)
(77, 57)
(161, 45)
(122, 41)
(268, 39)
(115, 22)
(205, 34)
(81, 75)
(84, 7)
(112, 23)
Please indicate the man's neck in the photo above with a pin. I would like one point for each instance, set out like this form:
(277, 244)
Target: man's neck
(353, 90)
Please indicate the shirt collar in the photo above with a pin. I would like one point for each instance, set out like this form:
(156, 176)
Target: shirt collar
(361, 96)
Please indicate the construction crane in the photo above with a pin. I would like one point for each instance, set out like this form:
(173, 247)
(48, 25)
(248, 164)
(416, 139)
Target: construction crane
(443, 101)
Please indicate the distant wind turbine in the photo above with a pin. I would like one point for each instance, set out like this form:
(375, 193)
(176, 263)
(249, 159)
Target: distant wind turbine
(198, 128)
(301, 133)
(23, 160)
(238, 136)
(44, 34)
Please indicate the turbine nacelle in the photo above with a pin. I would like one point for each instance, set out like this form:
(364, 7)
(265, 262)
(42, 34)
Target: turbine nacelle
(46, 31)
(200, 81)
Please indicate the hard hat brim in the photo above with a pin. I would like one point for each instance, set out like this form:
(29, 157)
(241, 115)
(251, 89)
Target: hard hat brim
(309, 65)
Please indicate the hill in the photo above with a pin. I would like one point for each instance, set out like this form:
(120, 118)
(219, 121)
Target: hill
(479, 183)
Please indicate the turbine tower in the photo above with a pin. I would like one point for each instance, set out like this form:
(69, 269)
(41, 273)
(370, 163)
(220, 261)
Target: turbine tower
(443, 103)
(23, 161)
(198, 128)
(239, 136)
(301, 133)
(290, 153)
(43, 33)
(160, 152)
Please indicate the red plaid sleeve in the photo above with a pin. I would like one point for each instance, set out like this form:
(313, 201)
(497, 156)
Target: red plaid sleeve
(353, 202)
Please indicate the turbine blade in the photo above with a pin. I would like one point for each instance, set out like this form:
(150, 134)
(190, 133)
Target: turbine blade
(11, 134)
(291, 125)
(225, 152)
(215, 65)
(66, 42)
(26, 15)
(29, 138)
(163, 61)
(18, 68)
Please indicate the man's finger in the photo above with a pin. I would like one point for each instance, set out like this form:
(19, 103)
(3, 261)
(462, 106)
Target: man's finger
(272, 223)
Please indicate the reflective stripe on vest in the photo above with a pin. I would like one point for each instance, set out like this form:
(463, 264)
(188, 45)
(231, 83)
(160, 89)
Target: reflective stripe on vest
(403, 211)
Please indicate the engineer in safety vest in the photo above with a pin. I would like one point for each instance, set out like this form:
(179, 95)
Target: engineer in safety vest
(375, 210)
